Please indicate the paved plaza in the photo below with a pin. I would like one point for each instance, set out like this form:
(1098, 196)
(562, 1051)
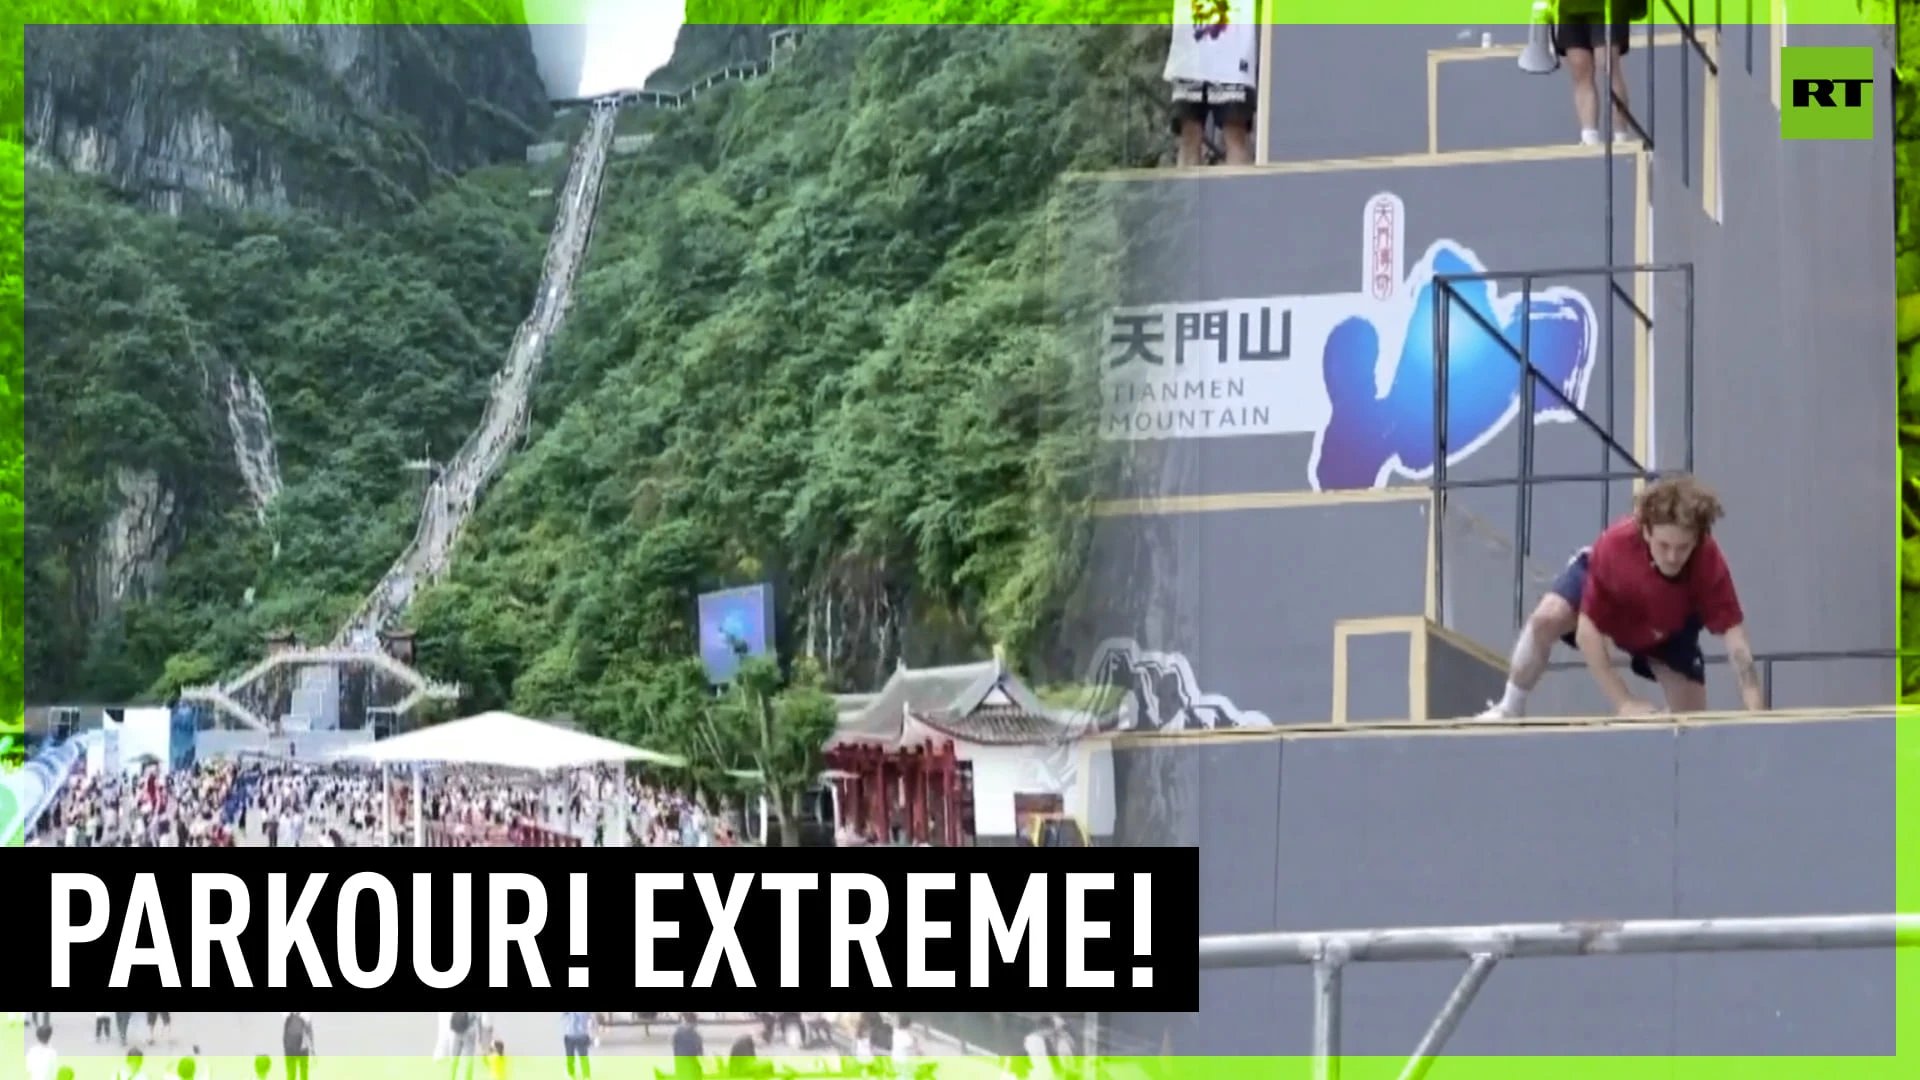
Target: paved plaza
(400, 1045)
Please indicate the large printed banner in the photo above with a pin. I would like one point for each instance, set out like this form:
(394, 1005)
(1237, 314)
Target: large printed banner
(1352, 370)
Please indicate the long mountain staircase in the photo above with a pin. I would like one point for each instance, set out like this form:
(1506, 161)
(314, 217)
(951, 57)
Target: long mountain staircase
(456, 485)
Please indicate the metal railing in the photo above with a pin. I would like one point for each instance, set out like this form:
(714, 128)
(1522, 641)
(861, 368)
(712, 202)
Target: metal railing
(1483, 947)
(1446, 297)
(1767, 662)
(1690, 36)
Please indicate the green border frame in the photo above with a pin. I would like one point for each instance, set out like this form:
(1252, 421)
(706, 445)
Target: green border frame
(1905, 1064)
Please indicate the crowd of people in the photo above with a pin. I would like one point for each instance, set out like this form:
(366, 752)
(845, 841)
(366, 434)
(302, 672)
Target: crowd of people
(276, 802)
(876, 1045)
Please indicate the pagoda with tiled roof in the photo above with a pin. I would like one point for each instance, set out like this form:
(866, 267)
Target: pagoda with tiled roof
(904, 753)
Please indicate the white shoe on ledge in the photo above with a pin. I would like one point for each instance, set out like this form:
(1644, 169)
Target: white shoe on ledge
(1494, 711)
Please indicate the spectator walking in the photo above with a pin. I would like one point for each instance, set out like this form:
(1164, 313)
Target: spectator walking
(296, 1040)
(460, 1037)
(688, 1048)
(134, 1069)
(43, 1061)
(576, 1039)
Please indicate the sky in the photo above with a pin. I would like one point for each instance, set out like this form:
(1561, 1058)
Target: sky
(627, 40)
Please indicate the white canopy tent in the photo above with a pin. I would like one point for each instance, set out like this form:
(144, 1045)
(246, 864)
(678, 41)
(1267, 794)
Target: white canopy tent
(498, 740)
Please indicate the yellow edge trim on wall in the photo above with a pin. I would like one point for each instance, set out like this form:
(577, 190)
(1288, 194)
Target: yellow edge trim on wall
(1421, 632)
(1387, 161)
(1541, 726)
(1710, 40)
(1344, 630)
(1263, 106)
(1162, 505)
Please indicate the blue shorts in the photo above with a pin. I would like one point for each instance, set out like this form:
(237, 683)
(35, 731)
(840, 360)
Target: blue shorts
(1681, 652)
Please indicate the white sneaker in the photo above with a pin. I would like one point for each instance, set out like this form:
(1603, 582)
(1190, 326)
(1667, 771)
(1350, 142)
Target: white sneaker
(1494, 711)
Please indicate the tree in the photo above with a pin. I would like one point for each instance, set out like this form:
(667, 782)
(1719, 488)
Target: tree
(829, 333)
(763, 734)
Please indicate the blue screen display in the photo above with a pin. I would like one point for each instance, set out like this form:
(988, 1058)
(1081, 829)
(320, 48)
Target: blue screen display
(730, 619)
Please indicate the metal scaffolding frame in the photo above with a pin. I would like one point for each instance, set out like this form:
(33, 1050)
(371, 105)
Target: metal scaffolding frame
(1329, 952)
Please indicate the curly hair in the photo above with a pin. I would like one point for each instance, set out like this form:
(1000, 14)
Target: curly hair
(1678, 500)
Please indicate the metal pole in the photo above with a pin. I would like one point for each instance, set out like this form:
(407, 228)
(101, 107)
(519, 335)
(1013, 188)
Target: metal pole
(1686, 100)
(1523, 493)
(1585, 937)
(1443, 305)
(1686, 365)
(1327, 970)
(1653, 114)
(1559, 394)
(1448, 1019)
(1606, 136)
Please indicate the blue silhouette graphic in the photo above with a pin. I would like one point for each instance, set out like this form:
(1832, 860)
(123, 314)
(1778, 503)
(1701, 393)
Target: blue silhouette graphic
(1369, 430)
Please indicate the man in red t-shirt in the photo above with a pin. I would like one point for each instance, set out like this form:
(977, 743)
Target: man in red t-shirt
(1648, 585)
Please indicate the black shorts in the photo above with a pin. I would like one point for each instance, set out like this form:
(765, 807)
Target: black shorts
(1226, 104)
(1680, 652)
(1581, 31)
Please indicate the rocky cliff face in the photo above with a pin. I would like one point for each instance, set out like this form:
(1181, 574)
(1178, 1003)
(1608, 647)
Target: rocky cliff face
(701, 49)
(348, 119)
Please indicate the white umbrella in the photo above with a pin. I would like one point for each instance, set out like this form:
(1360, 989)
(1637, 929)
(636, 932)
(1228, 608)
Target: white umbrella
(499, 740)
(503, 740)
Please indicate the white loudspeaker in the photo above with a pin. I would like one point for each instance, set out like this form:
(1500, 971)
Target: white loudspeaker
(1538, 58)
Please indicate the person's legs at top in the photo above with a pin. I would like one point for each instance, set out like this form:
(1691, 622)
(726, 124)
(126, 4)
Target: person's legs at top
(1190, 123)
(1622, 127)
(1554, 618)
(1233, 107)
(1577, 38)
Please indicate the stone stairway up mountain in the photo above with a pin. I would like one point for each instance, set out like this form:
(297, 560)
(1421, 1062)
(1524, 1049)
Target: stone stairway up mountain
(458, 483)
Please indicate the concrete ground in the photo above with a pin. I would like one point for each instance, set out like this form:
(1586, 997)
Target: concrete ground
(400, 1045)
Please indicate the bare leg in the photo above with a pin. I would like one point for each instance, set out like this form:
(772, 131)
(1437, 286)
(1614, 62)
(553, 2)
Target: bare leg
(1586, 101)
(1621, 130)
(1192, 151)
(1239, 139)
(1553, 619)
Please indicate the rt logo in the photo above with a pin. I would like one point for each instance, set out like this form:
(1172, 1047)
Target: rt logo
(1827, 93)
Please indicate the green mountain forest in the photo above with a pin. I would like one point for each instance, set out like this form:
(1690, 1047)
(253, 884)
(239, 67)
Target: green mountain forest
(817, 341)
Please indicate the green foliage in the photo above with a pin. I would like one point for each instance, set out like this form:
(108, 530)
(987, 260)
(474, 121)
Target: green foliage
(762, 735)
(819, 342)
(1906, 136)
(374, 344)
(12, 442)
